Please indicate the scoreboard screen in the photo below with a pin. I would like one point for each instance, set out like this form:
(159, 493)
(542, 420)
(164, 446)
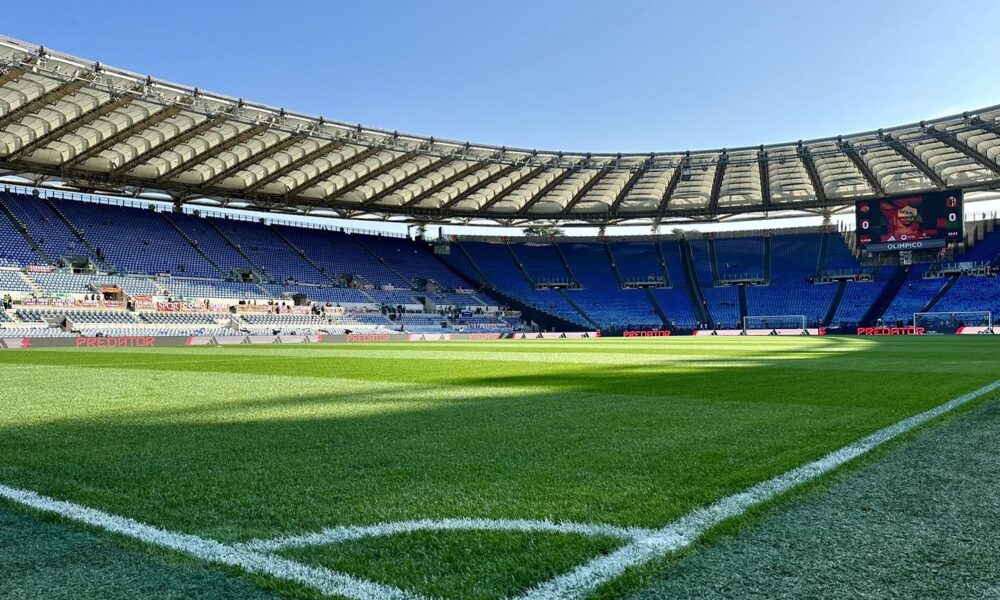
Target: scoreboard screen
(918, 222)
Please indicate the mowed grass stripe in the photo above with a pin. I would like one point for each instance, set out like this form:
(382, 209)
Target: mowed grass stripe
(242, 443)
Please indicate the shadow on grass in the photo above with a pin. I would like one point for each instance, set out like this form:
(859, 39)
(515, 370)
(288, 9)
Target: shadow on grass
(632, 444)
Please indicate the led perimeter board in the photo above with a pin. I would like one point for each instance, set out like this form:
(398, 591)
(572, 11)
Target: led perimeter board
(915, 222)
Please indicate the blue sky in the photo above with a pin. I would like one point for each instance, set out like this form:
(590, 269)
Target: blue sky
(574, 75)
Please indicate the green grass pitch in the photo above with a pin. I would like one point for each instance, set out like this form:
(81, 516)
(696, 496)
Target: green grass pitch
(244, 443)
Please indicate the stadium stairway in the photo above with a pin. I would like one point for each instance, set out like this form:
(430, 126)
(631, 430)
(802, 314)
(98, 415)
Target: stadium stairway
(614, 265)
(835, 304)
(31, 284)
(193, 243)
(544, 319)
(520, 265)
(579, 309)
(698, 302)
(302, 253)
(481, 277)
(884, 299)
(824, 245)
(565, 264)
(382, 261)
(257, 268)
(107, 267)
(663, 262)
(940, 294)
(656, 307)
(713, 259)
(23, 230)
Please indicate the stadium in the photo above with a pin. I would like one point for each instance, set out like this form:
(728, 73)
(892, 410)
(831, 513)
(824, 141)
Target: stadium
(239, 363)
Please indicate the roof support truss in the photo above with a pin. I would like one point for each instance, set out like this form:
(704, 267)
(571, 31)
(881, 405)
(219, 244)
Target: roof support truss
(169, 144)
(582, 193)
(675, 178)
(45, 99)
(720, 174)
(990, 126)
(295, 164)
(904, 151)
(433, 166)
(325, 174)
(765, 178)
(123, 134)
(510, 188)
(14, 73)
(810, 165)
(537, 196)
(480, 185)
(392, 164)
(633, 179)
(241, 165)
(862, 166)
(70, 125)
(200, 157)
(953, 142)
(437, 187)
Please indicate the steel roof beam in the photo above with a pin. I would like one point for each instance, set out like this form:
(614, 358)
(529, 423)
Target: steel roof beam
(45, 99)
(333, 169)
(989, 126)
(503, 193)
(904, 151)
(633, 179)
(169, 144)
(583, 191)
(70, 125)
(862, 166)
(765, 178)
(433, 166)
(252, 159)
(810, 166)
(437, 187)
(675, 178)
(480, 185)
(720, 173)
(13, 74)
(213, 151)
(295, 164)
(537, 196)
(124, 134)
(953, 142)
(392, 164)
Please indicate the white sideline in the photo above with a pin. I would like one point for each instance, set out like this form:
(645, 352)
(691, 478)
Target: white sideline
(681, 533)
(645, 545)
(324, 580)
(335, 535)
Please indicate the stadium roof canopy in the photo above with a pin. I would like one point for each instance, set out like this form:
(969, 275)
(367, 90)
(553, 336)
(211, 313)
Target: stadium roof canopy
(79, 124)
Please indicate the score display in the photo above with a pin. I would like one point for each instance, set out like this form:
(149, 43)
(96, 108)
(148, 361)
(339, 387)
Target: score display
(915, 222)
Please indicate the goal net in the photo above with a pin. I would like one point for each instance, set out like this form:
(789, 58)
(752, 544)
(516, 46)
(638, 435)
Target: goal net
(777, 324)
(953, 320)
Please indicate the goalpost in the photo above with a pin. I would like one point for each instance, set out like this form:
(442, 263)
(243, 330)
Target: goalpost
(953, 320)
(787, 324)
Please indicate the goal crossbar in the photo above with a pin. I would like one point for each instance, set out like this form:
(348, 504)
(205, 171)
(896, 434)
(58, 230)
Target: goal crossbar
(983, 318)
(774, 322)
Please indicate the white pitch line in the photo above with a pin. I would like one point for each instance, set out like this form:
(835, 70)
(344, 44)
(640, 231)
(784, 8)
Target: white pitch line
(646, 545)
(681, 533)
(335, 535)
(323, 580)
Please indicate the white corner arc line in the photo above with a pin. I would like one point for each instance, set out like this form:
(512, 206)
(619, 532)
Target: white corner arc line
(323, 580)
(681, 533)
(335, 535)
